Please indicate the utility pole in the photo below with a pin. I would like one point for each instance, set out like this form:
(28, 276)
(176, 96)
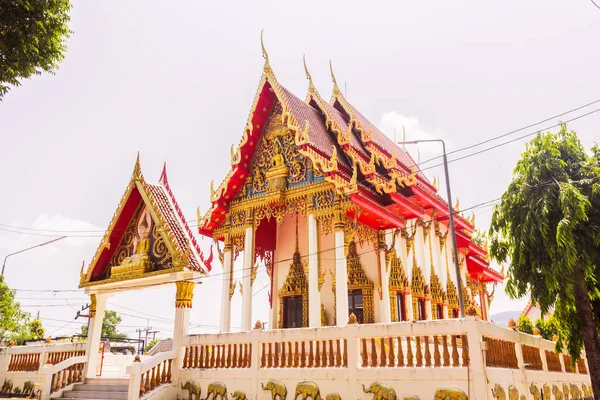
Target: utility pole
(79, 314)
(146, 331)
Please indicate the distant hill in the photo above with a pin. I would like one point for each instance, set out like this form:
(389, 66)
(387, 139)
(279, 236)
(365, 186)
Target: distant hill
(503, 317)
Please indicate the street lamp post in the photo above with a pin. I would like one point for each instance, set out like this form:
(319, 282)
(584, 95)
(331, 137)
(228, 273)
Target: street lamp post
(451, 216)
(29, 248)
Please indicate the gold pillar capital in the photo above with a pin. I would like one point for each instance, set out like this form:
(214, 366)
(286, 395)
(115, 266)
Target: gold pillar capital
(185, 294)
(93, 302)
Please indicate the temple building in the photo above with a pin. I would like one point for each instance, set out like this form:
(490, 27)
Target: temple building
(341, 218)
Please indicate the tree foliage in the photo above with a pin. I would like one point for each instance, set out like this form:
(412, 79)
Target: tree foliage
(36, 329)
(109, 326)
(525, 325)
(548, 327)
(33, 36)
(14, 322)
(151, 344)
(548, 226)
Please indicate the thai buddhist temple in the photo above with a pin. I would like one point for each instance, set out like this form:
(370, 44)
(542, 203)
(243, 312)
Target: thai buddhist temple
(365, 280)
(340, 216)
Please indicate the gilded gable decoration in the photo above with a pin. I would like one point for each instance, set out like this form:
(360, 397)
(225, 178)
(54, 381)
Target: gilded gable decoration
(419, 285)
(398, 283)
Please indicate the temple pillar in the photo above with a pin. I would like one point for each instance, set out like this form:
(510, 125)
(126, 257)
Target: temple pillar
(385, 314)
(246, 324)
(341, 271)
(184, 294)
(314, 295)
(97, 311)
(225, 325)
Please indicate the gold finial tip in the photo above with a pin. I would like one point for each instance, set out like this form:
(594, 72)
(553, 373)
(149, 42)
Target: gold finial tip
(267, 66)
(336, 89)
(311, 86)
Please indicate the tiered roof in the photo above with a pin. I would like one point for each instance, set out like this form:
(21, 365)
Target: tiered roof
(165, 212)
(352, 154)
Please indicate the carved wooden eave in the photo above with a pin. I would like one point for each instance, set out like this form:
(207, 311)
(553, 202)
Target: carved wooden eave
(168, 222)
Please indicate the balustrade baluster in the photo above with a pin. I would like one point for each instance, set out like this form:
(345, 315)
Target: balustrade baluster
(400, 353)
(311, 355)
(223, 359)
(409, 352)
(419, 352)
(242, 352)
(142, 385)
(277, 363)
(290, 357)
(427, 351)
(445, 352)
(153, 382)
(213, 356)
(338, 353)
(331, 356)
(373, 354)
(249, 355)
(383, 356)
(437, 358)
(392, 359)
(169, 376)
(454, 352)
(228, 363)
(234, 360)
(64, 379)
(186, 357)
(54, 384)
(302, 355)
(345, 357)
(263, 355)
(219, 356)
(147, 385)
(324, 354)
(317, 355)
(270, 357)
(158, 375)
(364, 355)
(465, 355)
(296, 355)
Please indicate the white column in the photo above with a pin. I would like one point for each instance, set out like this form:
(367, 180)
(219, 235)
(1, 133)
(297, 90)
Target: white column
(246, 324)
(225, 325)
(385, 312)
(341, 279)
(183, 305)
(94, 333)
(314, 296)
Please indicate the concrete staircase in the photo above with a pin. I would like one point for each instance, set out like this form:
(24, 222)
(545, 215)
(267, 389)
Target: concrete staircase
(98, 388)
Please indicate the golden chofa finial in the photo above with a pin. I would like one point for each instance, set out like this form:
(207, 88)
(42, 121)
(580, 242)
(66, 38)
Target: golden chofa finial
(336, 89)
(434, 184)
(311, 86)
(267, 66)
(457, 205)
(137, 169)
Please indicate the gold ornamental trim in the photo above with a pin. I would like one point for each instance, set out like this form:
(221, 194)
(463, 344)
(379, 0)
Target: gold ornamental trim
(93, 305)
(184, 294)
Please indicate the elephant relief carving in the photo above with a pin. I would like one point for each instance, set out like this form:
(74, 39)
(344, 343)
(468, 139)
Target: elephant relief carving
(333, 396)
(575, 392)
(17, 391)
(498, 392)
(307, 389)
(546, 392)
(239, 395)
(380, 391)
(566, 391)
(411, 398)
(277, 389)
(216, 389)
(587, 392)
(513, 393)
(535, 392)
(28, 388)
(7, 386)
(450, 394)
(193, 389)
(558, 395)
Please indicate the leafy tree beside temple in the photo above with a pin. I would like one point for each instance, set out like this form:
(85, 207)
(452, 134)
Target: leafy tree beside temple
(109, 326)
(547, 227)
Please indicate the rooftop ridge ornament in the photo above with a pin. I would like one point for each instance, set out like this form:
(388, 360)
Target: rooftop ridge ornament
(267, 66)
(311, 86)
(163, 175)
(336, 89)
(137, 169)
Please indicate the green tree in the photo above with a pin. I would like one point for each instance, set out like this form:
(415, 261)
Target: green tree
(36, 329)
(109, 326)
(13, 320)
(33, 36)
(548, 225)
(525, 325)
(548, 327)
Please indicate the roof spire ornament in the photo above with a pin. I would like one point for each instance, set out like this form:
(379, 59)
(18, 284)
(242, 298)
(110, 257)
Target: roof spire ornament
(267, 66)
(137, 169)
(311, 86)
(336, 89)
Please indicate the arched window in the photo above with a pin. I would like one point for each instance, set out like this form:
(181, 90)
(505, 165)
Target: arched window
(400, 306)
(422, 316)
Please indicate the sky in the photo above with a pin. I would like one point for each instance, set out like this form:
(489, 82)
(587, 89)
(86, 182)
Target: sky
(175, 81)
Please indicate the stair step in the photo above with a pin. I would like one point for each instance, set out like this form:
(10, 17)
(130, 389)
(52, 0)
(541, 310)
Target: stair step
(109, 381)
(74, 394)
(89, 387)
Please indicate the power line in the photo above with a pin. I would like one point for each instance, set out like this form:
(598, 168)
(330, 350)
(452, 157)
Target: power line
(511, 132)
